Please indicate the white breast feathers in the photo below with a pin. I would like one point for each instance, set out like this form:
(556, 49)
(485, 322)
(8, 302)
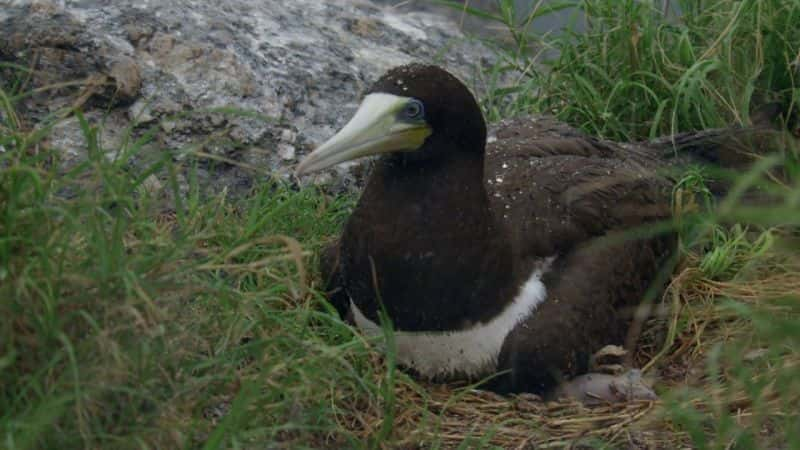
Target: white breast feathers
(472, 352)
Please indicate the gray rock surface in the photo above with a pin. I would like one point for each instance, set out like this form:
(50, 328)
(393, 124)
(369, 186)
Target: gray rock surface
(602, 388)
(466, 22)
(179, 67)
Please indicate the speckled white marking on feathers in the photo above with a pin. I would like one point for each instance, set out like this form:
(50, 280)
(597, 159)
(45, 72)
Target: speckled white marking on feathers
(472, 352)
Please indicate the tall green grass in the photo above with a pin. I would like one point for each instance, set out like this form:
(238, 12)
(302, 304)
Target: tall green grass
(635, 73)
(129, 321)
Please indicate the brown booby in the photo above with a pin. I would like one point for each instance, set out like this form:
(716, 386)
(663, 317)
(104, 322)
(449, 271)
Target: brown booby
(483, 252)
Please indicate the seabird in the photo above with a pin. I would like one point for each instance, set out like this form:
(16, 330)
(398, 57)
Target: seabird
(488, 255)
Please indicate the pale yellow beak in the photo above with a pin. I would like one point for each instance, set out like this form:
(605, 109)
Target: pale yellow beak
(377, 127)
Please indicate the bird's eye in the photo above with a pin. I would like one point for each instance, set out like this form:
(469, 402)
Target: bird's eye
(413, 109)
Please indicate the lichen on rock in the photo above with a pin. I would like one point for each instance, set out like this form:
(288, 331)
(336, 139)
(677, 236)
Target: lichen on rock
(249, 82)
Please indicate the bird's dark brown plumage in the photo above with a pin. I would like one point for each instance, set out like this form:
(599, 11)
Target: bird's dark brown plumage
(444, 237)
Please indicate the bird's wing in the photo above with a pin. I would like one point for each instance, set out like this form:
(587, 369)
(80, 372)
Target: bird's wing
(556, 190)
(555, 187)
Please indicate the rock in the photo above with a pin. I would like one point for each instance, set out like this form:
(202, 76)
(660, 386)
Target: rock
(464, 20)
(609, 381)
(600, 388)
(124, 71)
(151, 185)
(256, 82)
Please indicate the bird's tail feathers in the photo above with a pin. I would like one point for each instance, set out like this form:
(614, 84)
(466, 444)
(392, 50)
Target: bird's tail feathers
(736, 149)
(772, 130)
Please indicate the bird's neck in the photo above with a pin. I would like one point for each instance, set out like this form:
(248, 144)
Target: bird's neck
(425, 235)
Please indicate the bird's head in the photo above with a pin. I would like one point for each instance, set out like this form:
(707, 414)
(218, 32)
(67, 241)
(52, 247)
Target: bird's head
(414, 112)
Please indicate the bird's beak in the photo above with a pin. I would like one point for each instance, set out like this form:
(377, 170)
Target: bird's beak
(377, 127)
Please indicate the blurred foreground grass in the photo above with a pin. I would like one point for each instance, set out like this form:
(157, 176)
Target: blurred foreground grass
(128, 320)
